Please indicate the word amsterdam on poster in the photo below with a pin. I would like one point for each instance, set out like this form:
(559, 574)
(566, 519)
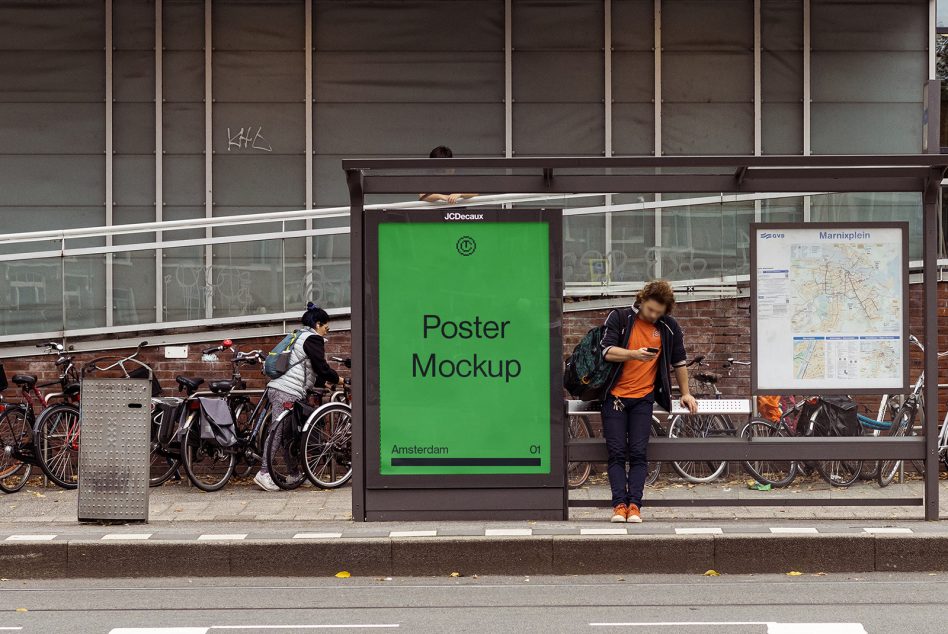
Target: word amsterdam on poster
(829, 307)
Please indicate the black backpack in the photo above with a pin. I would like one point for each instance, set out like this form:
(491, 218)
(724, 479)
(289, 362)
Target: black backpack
(586, 372)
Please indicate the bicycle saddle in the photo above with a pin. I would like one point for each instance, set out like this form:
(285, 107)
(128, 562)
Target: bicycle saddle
(221, 387)
(24, 380)
(707, 377)
(188, 382)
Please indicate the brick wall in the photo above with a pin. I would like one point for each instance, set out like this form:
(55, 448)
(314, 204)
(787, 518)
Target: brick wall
(717, 329)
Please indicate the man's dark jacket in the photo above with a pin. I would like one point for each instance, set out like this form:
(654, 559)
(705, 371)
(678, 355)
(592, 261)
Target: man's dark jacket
(617, 333)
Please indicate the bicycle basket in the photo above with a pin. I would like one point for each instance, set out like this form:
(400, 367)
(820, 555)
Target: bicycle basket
(699, 388)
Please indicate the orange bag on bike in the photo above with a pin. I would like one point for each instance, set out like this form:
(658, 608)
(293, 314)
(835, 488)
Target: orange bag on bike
(769, 407)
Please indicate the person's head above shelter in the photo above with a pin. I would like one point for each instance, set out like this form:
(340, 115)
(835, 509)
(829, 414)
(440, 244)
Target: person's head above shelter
(441, 152)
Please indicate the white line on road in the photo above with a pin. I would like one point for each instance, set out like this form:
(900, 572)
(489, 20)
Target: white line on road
(603, 531)
(803, 530)
(772, 628)
(10, 629)
(887, 531)
(698, 531)
(413, 534)
(334, 626)
(30, 538)
(317, 536)
(123, 536)
(158, 630)
(508, 532)
(223, 536)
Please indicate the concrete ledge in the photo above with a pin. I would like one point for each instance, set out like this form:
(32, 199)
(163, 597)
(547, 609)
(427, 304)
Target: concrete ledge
(590, 555)
(415, 556)
(312, 558)
(912, 553)
(159, 559)
(497, 555)
(33, 560)
(783, 553)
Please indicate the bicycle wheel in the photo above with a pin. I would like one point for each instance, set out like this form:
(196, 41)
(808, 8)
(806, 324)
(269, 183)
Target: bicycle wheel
(56, 443)
(776, 473)
(698, 426)
(208, 465)
(163, 463)
(839, 473)
(654, 466)
(901, 426)
(578, 472)
(282, 455)
(327, 446)
(15, 437)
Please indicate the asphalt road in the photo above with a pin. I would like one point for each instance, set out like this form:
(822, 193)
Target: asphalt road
(688, 604)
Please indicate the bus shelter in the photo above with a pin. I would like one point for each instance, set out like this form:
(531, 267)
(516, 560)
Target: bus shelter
(922, 174)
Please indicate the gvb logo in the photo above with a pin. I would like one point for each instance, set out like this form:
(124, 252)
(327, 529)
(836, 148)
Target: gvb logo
(771, 236)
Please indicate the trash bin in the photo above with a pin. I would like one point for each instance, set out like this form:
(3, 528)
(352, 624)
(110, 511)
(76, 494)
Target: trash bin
(114, 450)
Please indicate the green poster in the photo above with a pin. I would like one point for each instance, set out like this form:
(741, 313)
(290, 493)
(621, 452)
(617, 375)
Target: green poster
(464, 347)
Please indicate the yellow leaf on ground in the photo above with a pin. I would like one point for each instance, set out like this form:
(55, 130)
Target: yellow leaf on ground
(712, 573)
(344, 574)
(794, 573)
(455, 574)
(22, 610)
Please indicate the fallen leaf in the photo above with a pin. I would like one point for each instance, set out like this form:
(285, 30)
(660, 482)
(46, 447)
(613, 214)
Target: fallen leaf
(819, 574)
(794, 573)
(343, 574)
(455, 574)
(39, 495)
(474, 577)
(22, 610)
(712, 573)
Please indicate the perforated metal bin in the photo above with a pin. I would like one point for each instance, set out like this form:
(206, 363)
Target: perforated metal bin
(114, 450)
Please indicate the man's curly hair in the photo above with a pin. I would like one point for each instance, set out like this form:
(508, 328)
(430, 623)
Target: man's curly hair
(660, 291)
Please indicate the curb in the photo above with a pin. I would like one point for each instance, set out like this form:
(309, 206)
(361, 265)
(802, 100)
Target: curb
(440, 556)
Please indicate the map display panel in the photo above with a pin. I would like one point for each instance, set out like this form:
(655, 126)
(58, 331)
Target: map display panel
(829, 303)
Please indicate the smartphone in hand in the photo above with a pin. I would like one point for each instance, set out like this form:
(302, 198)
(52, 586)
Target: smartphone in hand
(652, 350)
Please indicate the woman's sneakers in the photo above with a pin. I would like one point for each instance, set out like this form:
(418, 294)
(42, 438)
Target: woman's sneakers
(265, 482)
(622, 513)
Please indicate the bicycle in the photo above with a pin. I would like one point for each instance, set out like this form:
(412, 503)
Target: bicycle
(208, 465)
(238, 397)
(816, 421)
(702, 425)
(18, 423)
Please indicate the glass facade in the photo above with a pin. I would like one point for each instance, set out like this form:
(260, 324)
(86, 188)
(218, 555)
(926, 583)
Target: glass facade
(394, 78)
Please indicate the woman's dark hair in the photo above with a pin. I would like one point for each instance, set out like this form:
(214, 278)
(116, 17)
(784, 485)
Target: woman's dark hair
(314, 315)
(442, 151)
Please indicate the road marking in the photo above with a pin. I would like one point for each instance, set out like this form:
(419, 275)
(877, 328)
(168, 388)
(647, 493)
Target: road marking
(205, 630)
(10, 629)
(30, 538)
(223, 536)
(698, 531)
(508, 532)
(887, 530)
(807, 530)
(159, 630)
(603, 531)
(317, 536)
(772, 628)
(413, 534)
(123, 536)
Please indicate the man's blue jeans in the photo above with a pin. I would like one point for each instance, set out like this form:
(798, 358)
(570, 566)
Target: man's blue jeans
(627, 433)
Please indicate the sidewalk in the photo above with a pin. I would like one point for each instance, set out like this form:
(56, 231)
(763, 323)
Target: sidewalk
(243, 531)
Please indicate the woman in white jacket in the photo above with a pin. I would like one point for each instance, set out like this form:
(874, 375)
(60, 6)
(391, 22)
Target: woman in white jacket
(307, 367)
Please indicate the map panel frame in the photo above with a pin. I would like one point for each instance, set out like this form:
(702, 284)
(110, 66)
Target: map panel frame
(780, 239)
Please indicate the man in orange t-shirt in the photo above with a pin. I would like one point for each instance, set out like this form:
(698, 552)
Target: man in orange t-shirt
(643, 342)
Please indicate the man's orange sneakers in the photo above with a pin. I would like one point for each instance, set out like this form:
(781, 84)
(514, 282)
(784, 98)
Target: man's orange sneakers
(620, 513)
(632, 515)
